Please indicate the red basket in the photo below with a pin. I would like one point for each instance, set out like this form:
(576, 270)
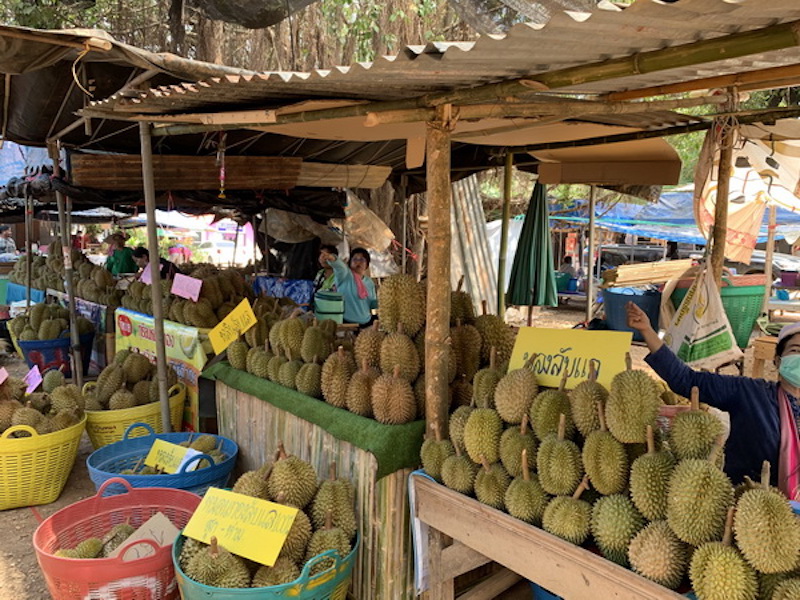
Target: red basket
(148, 578)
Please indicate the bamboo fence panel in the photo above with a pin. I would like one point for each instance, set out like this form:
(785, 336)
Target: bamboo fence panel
(384, 565)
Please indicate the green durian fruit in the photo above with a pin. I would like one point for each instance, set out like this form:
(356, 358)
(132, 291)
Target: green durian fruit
(136, 368)
(368, 345)
(257, 334)
(559, 463)
(525, 497)
(513, 441)
(216, 567)
(767, 530)
(458, 473)
(316, 345)
(283, 571)
(789, 589)
(337, 497)
(393, 400)
(287, 373)
(274, 367)
(89, 548)
(292, 334)
(605, 460)
(458, 420)
(693, 434)
(491, 483)
(515, 393)
(719, 572)
(205, 444)
(40, 401)
(485, 383)
(615, 521)
(482, 433)
(495, 332)
(254, 483)
(583, 401)
(632, 405)
(110, 380)
(336, 373)
(141, 392)
(434, 452)
(569, 517)
(461, 307)
(461, 392)
(115, 538)
(26, 415)
(309, 380)
(294, 548)
(7, 409)
(466, 342)
(546, 411)
(401, 301)
(53, 378)
(657, 554)
(327, 538)
(649, 480)
(121, 356)
(237, 354)
(398, 349)
(293, 477)
(121, 399)
(359, 390)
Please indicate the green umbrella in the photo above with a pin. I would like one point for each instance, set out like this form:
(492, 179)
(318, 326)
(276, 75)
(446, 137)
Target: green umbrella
(533, 278)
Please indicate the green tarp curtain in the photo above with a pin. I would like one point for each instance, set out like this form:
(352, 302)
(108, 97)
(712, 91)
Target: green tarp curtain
(533, 279)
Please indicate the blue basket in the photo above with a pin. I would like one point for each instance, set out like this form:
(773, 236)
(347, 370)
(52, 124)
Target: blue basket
(331, 584)
(107, 462)
(54, 354)
(615, 299)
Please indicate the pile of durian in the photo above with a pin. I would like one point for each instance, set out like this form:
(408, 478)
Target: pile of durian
(95, 547)
(46, 322)
(381, 374)
(127, 382)
(207, 444)
(589, 465)
(58, 406)
(326, 521)
(222, 291)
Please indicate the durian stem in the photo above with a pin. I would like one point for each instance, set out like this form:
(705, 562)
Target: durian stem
(584, 485)
(316, 359)
(396, 372)
(365, 365)
(138, 464)
(727, 537)
(329, 519)
(592, 372)
(493, 358)
(437, 435)
(281, 451)
(695, 398)
(485, 463)
(529, 363)
(526, 472)
(340, 352)
(602, 415)
(765, 471)
(281, 497)
(563, 383)
(400, 328)
(523, 428)
(460, 283)
(484, 307)
(628, 361)
(332, 471)
(375, 325)
(562, 427)
(457, 449)
(458, 323)
(651, 440)
(214, 546)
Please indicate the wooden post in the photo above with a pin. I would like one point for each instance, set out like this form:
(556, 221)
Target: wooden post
(403, 194)
(437, 330)
(155, 271)
(501, 265)
(773, 217)
(28, 248)
(266, 241)
(590, 257)
(69, 287)
(720, 229)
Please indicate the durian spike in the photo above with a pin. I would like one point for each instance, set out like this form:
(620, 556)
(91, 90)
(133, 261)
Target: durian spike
(695, 398)
(493, 358)
(214, 546)
(523, 427)
(584, 485)
(592, 372)
(628, 361)
(526, 472)
(602, 414)
(485, 463)
(562, 427)
(765, 468)
(484, 307)
(396, 372)
(712, 458)
(460, 283)
(651, 440)
(332, 471)
(563, 382)
(727, 538)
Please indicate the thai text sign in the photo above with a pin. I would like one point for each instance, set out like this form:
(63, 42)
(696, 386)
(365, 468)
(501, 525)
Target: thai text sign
(573, 351)
(170, 457)
(247, 526)
(235, 324)
(187, 287)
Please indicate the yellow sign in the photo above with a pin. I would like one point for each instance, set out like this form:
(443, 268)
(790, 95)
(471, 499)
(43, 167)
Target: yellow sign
(246, 526)
(573, 351)
(235, 324)
(170, 457)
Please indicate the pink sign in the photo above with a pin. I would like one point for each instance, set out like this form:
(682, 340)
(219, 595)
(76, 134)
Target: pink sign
(145, 277)
(33, 379)
(3, 375)
(186, 287)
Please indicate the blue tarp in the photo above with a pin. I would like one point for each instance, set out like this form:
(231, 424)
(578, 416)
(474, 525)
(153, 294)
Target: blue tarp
(671, 218)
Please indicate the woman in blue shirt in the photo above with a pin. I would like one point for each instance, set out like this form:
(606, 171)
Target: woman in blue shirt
(357, 289)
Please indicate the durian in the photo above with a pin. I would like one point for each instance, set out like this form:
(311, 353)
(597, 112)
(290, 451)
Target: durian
(491, 483)
(632, 405)
(316, 344)
(337, 497)
(615, 521)
(215, 566)
(513, 441)
(294, 477)
(327, 538)
(434, 452)
(309, 380)
(605, 460)
(283, 571)
(294, 548)
(485, 382)
(692, 434)
(569, 517)
(393, 400)
(466, 342)
(458, 472)
(546, 411)
(53, 378)
(482, 435)
(237, 354)
(359, 389)
(525, 497)
(458, 420)
(559, 463)
(495, 333)
(514, 394)
(649, 480)
(368, 345)
(583, 402)
(398, 349)
(336, 374)
(657, 554)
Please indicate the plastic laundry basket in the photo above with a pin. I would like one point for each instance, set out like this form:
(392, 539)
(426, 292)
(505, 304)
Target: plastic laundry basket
(54, 354)
(615, 299)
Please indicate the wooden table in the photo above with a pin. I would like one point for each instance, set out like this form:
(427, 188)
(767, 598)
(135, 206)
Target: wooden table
(763, 350)
(480, 533)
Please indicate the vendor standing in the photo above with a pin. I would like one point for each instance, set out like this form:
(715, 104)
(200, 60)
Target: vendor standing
(764, 414)
(141, 256)
(357, 289)
(120, 257)
(325, 280)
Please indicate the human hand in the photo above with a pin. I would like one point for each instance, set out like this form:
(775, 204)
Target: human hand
(637, 318)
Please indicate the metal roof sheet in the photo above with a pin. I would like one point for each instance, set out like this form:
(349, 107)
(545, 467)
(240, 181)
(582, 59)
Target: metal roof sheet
(524, 52)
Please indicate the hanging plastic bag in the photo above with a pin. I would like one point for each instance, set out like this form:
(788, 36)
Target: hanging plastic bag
(699, 332)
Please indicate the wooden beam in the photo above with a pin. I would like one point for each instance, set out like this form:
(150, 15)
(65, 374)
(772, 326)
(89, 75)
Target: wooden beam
(89, 43)
(492, 587)
(437, 330)
(458, 559)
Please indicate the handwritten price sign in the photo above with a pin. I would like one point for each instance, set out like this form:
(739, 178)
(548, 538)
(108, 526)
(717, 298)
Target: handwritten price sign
(170, 457)
(573, 351)
(247, 526)
(235, 324)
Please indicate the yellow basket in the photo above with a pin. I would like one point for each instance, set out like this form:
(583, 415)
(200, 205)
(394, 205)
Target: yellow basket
(34, 469)
(108, 426)
(17, 349)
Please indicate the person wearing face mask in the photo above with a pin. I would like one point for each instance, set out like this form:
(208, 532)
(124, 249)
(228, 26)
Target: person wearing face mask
(357, 289)
(764, 414)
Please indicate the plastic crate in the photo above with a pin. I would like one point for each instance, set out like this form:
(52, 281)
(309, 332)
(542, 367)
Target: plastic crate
(108, 461)
(54, 354)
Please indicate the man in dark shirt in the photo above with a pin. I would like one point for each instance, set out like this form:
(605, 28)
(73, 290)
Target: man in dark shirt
(141, 256)
(753, 404)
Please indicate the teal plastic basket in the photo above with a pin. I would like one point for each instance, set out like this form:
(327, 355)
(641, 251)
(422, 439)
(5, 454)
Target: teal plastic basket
(331, 584)
(562, 281)
(742, 304)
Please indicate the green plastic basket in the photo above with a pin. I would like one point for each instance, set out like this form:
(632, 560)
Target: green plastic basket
(562, 281)
(742, 304)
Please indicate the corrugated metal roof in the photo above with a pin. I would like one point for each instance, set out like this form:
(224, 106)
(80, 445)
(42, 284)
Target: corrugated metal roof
(524, 52)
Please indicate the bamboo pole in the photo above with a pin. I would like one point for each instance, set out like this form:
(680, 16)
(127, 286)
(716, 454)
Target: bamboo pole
(155, 272)
(437, 328)
(69, 279)
(28, 249)
(773, 217)
(266, 240)
(590, 258)
(501, 265)
(403, 195)
(720, 228)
